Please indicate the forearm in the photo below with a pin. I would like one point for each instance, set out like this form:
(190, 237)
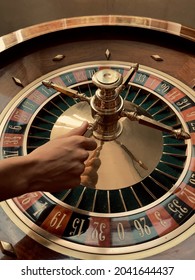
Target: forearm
(52, 167)
(16, 175)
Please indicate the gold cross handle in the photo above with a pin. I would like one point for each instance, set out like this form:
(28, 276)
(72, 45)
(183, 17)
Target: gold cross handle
(68, 91)
(178, 133)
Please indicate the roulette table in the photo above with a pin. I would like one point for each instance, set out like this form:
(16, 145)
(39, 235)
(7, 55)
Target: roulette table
(133, 79)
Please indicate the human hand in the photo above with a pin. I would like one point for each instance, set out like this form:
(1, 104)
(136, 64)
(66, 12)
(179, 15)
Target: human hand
(59, 163)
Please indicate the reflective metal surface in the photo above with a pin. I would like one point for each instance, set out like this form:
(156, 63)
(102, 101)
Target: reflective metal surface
(133, 149)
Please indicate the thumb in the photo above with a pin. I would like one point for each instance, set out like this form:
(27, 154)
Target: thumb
(78, 130)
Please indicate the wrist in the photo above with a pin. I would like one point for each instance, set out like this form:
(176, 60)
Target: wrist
(17, 175)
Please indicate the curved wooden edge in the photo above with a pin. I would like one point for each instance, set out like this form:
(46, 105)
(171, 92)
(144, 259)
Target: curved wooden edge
(21, 35)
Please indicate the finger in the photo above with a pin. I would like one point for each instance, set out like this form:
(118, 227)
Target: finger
(89, 144)
(78, 130)
(74, 182)
(83, 155)
(79, 169)
(93, 162)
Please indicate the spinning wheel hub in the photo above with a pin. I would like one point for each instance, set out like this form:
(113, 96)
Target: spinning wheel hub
(107, 104)
(107, 79)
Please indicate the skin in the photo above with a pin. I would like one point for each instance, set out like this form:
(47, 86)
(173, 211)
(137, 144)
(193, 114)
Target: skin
(54, 166)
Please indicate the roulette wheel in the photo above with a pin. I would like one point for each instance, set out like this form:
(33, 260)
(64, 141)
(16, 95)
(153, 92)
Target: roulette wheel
(133, 79)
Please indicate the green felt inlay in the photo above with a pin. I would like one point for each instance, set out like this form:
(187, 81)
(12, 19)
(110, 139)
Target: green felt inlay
(163, 179)
(129, 199)
(173, 160)
(101, 204)
(87, 200)
(73, 197)
(116, 202)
